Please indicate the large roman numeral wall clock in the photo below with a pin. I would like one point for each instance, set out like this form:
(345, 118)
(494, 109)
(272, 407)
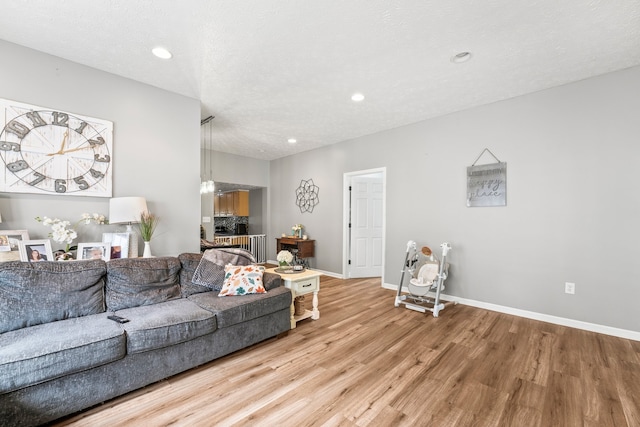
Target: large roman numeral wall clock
(48, 151)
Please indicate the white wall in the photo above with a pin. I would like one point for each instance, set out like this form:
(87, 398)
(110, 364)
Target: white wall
(572, 213)
(239, 169)
(257, 202)
(155, 149)
(234, 169)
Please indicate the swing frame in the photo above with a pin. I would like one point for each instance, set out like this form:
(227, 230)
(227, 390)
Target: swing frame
(430, 300)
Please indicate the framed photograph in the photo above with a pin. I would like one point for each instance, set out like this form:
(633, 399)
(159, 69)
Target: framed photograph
(10, 244)
(96, 250)
(119, 244)
(36, 250)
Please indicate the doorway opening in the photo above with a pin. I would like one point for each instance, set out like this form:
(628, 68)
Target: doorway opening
(364, 223)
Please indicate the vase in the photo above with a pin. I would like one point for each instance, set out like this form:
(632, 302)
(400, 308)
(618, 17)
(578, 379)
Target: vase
(147, 250)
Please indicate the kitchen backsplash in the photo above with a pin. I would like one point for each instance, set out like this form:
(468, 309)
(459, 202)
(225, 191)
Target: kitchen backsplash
(229, 222)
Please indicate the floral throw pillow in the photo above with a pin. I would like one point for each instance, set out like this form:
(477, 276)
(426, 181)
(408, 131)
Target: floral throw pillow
(242, 280)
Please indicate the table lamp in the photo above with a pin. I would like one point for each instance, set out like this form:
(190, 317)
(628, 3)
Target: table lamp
(127, 210)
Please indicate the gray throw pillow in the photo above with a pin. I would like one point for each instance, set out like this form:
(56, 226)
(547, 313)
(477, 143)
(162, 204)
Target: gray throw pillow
(210, 270)
(189, 263)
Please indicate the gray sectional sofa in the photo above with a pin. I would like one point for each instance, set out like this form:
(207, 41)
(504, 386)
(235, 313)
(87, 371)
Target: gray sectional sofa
(59, 353)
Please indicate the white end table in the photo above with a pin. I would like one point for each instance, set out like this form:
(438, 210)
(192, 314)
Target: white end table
(301, 284)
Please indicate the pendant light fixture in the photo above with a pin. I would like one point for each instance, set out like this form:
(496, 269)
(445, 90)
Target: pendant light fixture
(210, 184)
(203, 159)
(206, 181)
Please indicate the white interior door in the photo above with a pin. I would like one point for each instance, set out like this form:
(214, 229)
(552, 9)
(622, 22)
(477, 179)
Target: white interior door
(366, 254)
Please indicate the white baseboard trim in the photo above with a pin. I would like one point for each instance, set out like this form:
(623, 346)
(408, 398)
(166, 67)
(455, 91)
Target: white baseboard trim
(578, 324)
(329, 273)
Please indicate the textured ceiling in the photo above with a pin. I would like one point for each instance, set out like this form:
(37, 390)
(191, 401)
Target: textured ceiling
(269, 70)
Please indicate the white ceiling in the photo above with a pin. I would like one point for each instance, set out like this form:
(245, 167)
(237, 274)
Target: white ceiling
(269, 70)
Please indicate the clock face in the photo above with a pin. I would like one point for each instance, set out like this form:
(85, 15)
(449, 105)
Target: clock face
(47, 151)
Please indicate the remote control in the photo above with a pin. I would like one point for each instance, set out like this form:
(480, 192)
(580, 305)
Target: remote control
(117, 318)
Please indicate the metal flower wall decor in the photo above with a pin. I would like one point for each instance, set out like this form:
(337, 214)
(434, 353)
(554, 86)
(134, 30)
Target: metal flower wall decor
(307, 195)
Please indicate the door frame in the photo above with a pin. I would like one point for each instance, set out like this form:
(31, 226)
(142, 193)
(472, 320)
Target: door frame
(346, 208)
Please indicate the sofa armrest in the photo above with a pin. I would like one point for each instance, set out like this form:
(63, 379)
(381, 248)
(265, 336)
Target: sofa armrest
(271, 281)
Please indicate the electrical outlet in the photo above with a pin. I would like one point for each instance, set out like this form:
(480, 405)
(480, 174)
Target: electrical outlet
(569, 288)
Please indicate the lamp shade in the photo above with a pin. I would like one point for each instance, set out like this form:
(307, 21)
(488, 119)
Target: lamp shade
(126, 210)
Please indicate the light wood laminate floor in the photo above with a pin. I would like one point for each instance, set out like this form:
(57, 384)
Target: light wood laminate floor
(368, 363)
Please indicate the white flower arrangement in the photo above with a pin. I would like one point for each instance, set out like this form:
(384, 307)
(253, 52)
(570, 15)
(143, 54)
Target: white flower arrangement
(284, 257)
(61, 231)
(95, 217)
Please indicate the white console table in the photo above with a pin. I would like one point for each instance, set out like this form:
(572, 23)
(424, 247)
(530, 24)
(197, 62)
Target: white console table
(301, 284)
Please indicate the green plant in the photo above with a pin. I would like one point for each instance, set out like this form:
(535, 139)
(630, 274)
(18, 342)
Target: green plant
(148, 224)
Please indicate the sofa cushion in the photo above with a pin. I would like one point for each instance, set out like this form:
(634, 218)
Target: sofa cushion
(230, 311)
(133, 282)
(242, 280)
(42, 292)
(40, 353)
(210, 271)
(161, 325)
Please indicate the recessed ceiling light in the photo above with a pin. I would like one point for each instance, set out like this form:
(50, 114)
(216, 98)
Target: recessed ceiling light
(461, 57)
(161, 52)
(292, 140)
(357, 97)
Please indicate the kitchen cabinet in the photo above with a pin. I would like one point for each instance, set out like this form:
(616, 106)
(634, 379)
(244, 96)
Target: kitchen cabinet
(233, 203)
(227, 203)
(241, 203)
(219, 205)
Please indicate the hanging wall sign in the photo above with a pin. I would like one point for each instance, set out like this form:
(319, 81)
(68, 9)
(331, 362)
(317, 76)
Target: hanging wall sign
(487, 184)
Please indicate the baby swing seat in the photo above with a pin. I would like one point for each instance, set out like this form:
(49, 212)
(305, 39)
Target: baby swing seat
(424, 281)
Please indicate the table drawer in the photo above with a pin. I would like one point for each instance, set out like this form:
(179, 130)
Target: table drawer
(305, 286)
